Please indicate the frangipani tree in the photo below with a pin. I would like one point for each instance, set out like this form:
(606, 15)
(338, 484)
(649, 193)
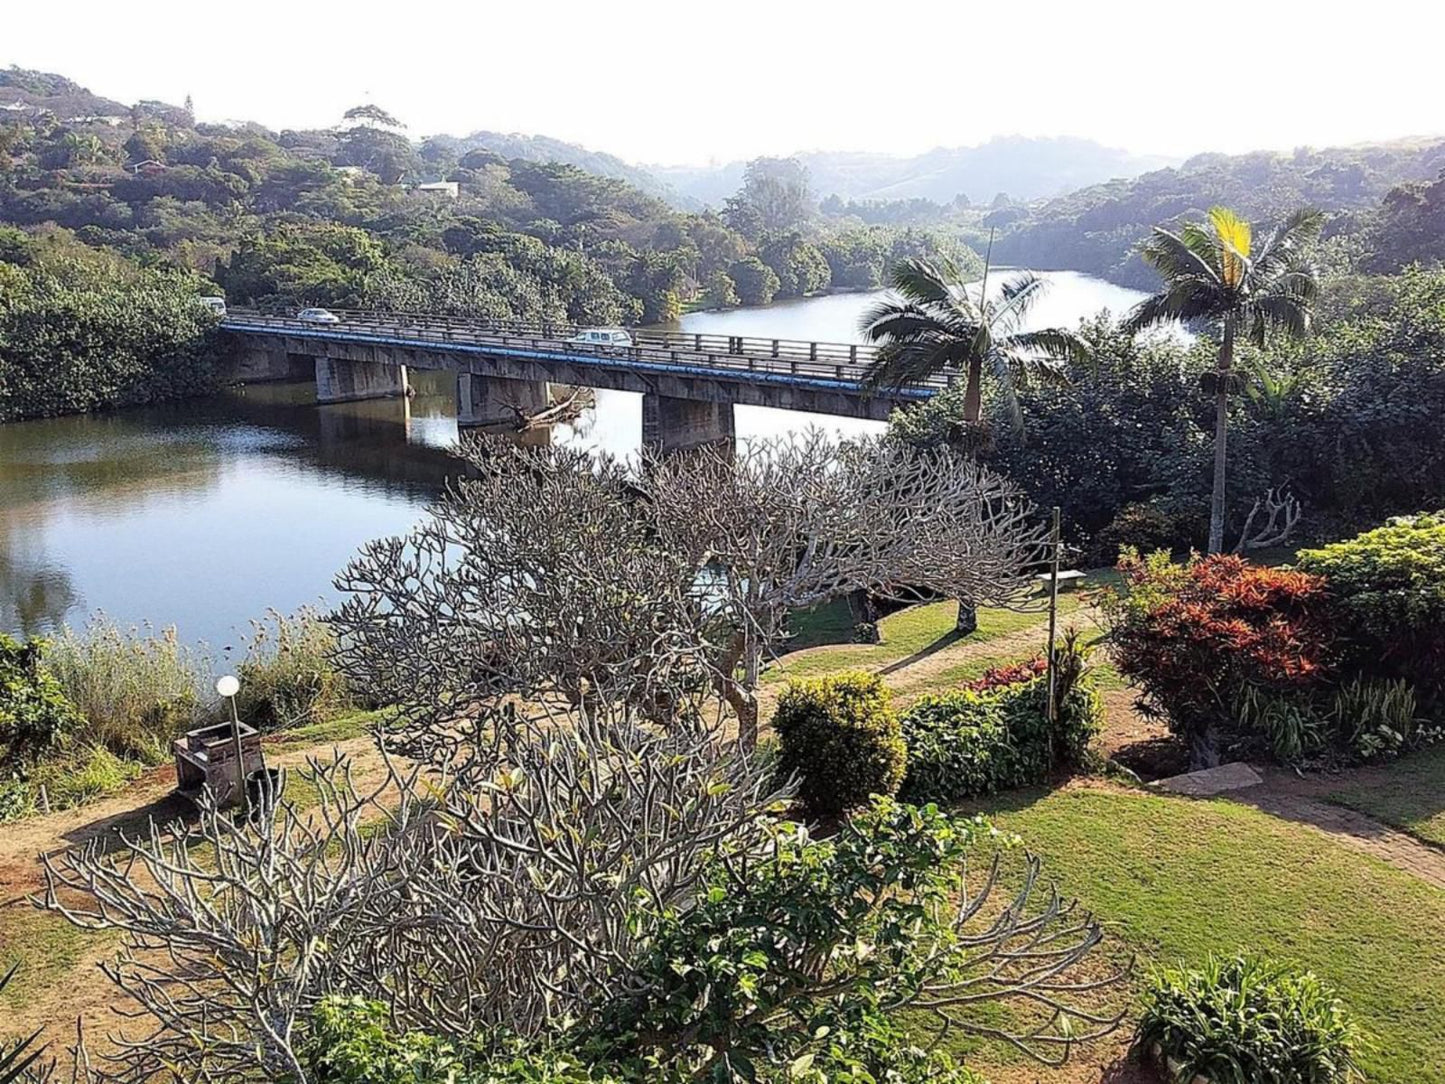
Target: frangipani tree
(1214, 275)
(556, 574)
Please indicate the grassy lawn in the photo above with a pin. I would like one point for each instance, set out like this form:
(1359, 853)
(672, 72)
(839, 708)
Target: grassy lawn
(914, 631)
(1412, 799)
(330, 732)
(1174, 878)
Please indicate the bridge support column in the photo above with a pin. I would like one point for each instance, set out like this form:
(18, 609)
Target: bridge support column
(676, 425)
(340, 381)
(495, 400)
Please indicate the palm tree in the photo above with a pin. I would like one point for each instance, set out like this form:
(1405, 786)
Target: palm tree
(939, 322)
(1213, 276)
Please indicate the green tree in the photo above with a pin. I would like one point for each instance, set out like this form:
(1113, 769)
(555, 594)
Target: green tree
(938, 322)
(801, 268)
(756, 282)
(775, 195)
(1214, 276)
(721, 292)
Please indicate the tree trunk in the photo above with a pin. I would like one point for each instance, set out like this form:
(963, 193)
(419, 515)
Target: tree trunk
(967, 617)
(973, 392)
(1221, 430)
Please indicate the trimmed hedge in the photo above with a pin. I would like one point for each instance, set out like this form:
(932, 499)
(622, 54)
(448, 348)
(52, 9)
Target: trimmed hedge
(840, 738)
(979, 741)
(1247, 1021)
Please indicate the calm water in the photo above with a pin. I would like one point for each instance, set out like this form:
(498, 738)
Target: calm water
(203, 514)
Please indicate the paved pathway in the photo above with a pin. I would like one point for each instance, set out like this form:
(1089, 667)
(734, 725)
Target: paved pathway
(1302, 800)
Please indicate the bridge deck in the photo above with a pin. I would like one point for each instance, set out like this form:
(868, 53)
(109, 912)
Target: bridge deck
(838, 367)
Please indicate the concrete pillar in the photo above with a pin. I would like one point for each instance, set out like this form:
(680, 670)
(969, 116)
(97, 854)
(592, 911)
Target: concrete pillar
(495, 400)
(675, 425)
(339, 381)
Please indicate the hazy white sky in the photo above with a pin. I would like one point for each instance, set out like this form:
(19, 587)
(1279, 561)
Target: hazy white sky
(681, 81)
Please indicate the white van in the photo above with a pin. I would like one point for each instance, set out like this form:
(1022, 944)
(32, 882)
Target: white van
(216, 304)
(603, 336)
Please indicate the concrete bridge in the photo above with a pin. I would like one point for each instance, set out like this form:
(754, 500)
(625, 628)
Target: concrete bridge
(689, 383)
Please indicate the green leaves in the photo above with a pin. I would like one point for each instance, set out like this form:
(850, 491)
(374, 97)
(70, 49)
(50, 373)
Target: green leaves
(1247, 1020)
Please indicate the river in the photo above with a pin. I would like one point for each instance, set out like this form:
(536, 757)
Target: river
(202, 515)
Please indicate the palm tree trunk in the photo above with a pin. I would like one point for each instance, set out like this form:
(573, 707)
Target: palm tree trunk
(973, 392)
(967, 621)
(1221, 431)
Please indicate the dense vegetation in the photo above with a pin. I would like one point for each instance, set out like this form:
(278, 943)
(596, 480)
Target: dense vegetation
(1096, 229)
(82, 328)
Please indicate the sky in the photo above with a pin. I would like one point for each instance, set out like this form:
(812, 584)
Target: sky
(683, 82)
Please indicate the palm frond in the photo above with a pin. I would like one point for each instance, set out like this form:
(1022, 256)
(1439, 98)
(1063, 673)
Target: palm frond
(1016, 297)
(1182, 254)
(1054, 343)
(924, 282)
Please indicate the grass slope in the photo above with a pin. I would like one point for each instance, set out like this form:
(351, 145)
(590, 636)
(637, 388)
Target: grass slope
(1175, 878)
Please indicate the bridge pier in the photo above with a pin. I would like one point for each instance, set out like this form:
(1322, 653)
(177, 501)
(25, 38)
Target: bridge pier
(341, 381)
(676, 425)
(495, 400)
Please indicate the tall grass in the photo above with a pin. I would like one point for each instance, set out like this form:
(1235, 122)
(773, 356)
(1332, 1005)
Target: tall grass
(137, 688)
(287, 676)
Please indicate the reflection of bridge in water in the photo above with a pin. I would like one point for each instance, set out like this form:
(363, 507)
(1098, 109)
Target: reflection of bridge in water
(689, 383)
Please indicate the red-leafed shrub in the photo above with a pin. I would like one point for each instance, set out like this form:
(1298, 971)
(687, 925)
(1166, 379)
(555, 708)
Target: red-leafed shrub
(997, 677)
(1195, 636)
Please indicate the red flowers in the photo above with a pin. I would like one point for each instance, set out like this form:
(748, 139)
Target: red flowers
(995, 677)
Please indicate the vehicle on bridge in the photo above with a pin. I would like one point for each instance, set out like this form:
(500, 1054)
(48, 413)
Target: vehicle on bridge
(216, 304)
(318, 316)
(603, 336)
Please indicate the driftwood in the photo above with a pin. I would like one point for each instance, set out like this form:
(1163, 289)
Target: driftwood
(558, 411)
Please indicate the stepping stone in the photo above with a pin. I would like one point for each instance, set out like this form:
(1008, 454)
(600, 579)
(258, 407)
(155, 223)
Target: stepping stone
(1211, 781)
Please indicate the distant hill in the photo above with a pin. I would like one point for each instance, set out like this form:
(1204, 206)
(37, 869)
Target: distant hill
(1096, 228)
(1023, 168)
(535, 148)
(61, 96)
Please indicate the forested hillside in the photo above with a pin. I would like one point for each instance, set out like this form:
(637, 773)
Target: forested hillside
(342, 216)
(1095, 229)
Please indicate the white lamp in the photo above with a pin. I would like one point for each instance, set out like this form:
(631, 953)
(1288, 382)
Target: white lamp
(227, 686)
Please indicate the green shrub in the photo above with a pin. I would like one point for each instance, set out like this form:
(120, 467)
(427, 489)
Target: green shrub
(351, 1041)
(1374, 717)
(1388, 587)
(1247, 1021)
(978, 741)
(840, 737)
(34, 712)
(136, 688)
(287, 675)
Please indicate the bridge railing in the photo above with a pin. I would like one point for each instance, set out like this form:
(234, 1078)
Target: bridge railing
(847, 362)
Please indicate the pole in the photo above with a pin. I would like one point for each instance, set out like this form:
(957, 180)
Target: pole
(1054, 546)
(240, 757)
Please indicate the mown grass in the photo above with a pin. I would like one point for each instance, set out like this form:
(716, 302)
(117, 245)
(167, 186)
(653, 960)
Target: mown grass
(1174, 879)
(328, 732)
(47, 948)
(909, 632)
(1413, 800)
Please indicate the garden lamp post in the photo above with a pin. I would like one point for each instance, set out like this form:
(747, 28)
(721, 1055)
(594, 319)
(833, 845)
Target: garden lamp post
(228, 687)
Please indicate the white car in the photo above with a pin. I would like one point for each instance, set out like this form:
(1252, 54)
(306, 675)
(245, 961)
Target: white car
(603, 336)
(318, 316)
(216, 304)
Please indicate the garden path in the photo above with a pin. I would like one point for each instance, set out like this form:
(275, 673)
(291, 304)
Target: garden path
(1302, 799)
